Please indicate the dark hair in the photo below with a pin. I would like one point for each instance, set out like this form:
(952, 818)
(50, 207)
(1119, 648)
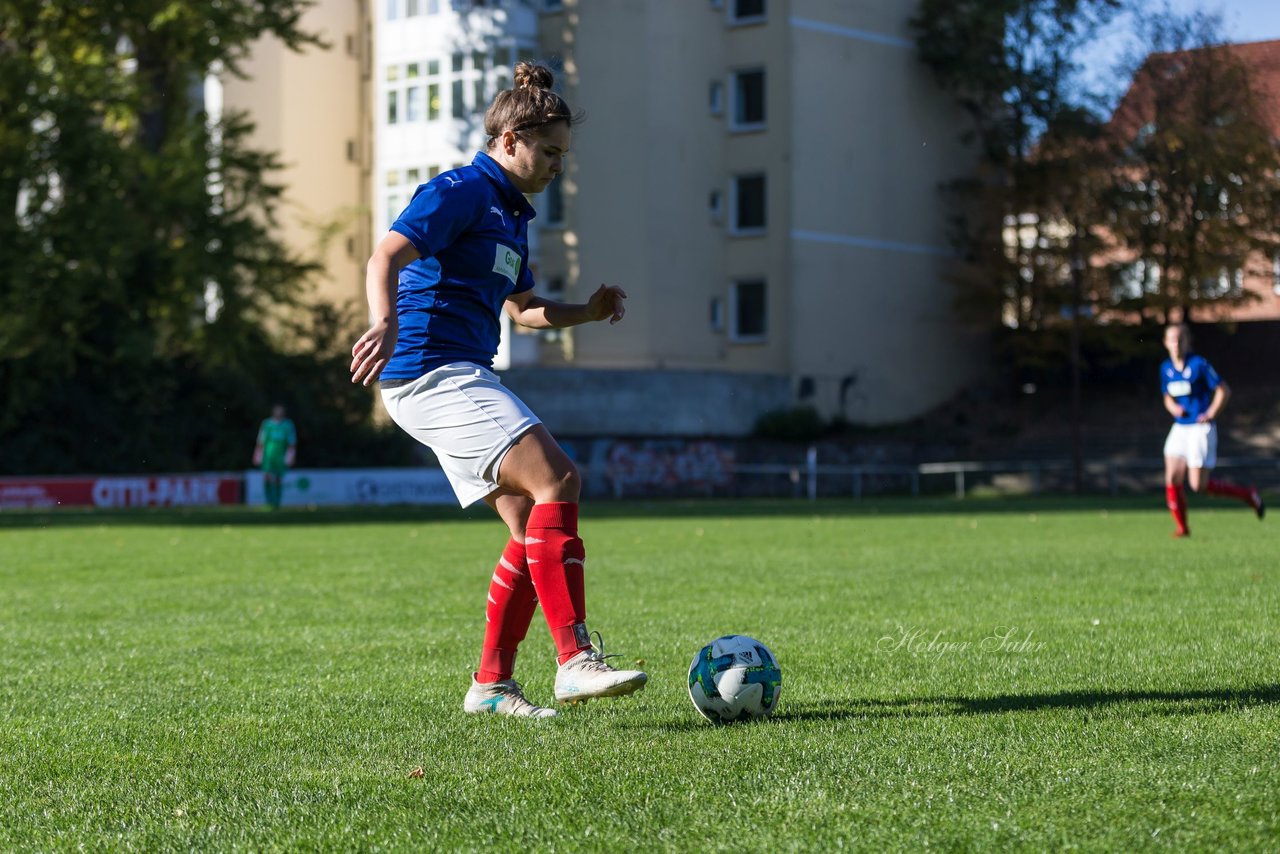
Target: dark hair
(528, 105)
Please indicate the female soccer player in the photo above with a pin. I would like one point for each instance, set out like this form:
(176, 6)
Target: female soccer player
(457, 256)
(1194, 394)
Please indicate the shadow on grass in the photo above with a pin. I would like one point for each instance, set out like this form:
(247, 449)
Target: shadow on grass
(1141, 702)
(1135, 702)
(687, 509)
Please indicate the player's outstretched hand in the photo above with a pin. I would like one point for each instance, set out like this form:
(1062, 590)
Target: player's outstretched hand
(371, 353)
(606, 302)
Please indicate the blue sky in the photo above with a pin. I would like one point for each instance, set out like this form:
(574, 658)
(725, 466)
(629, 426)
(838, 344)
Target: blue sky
(1242, 21)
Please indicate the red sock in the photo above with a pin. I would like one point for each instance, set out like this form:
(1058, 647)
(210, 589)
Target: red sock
(556, 564)
(1230, 490)
(1177, 501)
(511, 606)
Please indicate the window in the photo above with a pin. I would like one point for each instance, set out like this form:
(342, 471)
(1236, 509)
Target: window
(413, 104)
(393, 9)
(433, 7)
(553, 203)
(1140, 277)
(1275, 274)
(747, 311)
(715, 98)
(748, 204)
(1224, 283)
(433, 101)
(408, 100)
(746, 11)
(748, 99)
(351, 149)
(715, 205)
(457, 63)
(459, 106)
(410, 8)
(478, 104)
(716, 315)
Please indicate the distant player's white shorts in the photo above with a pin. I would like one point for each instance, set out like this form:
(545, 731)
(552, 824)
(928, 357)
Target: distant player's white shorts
(1196, 443)
(464, 414)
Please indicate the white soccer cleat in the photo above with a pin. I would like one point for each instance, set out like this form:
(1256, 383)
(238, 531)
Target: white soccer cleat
(587, 675)
(501, 698)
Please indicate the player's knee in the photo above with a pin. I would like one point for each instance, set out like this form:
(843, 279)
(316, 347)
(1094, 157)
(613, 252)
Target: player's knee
(569, 484)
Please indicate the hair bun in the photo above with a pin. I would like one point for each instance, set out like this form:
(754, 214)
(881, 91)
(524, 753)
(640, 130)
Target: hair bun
(529, 75)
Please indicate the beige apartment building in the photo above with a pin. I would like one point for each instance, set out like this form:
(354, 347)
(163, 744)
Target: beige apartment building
(312, 109)
(761, 176)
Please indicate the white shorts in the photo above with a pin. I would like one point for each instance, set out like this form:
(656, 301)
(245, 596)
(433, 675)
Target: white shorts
(1196, 443)
(464, 414)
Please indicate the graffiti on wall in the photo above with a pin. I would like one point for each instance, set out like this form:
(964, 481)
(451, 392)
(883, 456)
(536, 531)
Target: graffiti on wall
(627, 468)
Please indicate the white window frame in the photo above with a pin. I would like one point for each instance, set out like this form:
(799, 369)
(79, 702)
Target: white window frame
(735, 95)
(734, 307)
(734, 227)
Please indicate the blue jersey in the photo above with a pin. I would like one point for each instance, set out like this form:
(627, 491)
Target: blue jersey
(471, 229)
(1192, 387)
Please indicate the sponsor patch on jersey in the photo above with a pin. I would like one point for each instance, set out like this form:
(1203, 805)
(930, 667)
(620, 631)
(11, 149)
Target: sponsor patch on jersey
(1179, 388)
(507, 262)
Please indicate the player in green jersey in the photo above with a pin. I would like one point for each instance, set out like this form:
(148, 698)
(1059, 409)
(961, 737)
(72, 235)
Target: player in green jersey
(277, 445)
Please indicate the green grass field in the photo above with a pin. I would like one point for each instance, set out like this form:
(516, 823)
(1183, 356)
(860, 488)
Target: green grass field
(981, 675)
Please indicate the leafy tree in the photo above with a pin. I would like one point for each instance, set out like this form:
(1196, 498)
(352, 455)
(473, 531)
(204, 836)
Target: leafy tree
(1010, 65)
(1196, 176)
(143, 294)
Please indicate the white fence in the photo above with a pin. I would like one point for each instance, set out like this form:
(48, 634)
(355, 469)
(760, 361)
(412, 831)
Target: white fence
(811, 479)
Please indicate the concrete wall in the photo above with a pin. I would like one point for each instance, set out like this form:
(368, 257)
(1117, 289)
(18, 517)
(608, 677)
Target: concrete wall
(575, 402)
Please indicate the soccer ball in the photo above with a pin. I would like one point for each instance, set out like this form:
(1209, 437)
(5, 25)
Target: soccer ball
(734, 678)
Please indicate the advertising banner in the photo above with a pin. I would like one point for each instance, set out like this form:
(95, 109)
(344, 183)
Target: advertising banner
(186, 490)
(319, 487)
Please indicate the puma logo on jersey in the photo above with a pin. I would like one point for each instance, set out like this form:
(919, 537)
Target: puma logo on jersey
(494, 209)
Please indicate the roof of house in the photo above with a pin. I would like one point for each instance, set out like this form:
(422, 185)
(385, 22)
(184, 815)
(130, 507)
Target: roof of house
(1261, 59)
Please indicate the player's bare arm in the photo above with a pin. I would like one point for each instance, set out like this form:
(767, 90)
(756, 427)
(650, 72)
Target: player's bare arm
(1221, 395)
(536, 312)
(370, 354)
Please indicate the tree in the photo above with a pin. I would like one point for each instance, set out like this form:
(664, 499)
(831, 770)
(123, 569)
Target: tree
(1196, 177)
(1010, 64)
(140, 268)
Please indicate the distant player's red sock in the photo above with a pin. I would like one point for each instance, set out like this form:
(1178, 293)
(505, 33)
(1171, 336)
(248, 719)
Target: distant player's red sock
(511, 606)
(1230, 490)
(556, 563)
(1177, 501)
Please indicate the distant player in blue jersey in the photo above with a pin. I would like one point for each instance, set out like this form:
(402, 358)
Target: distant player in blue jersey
(458, 256)
(275, 450)
(1194, 394)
